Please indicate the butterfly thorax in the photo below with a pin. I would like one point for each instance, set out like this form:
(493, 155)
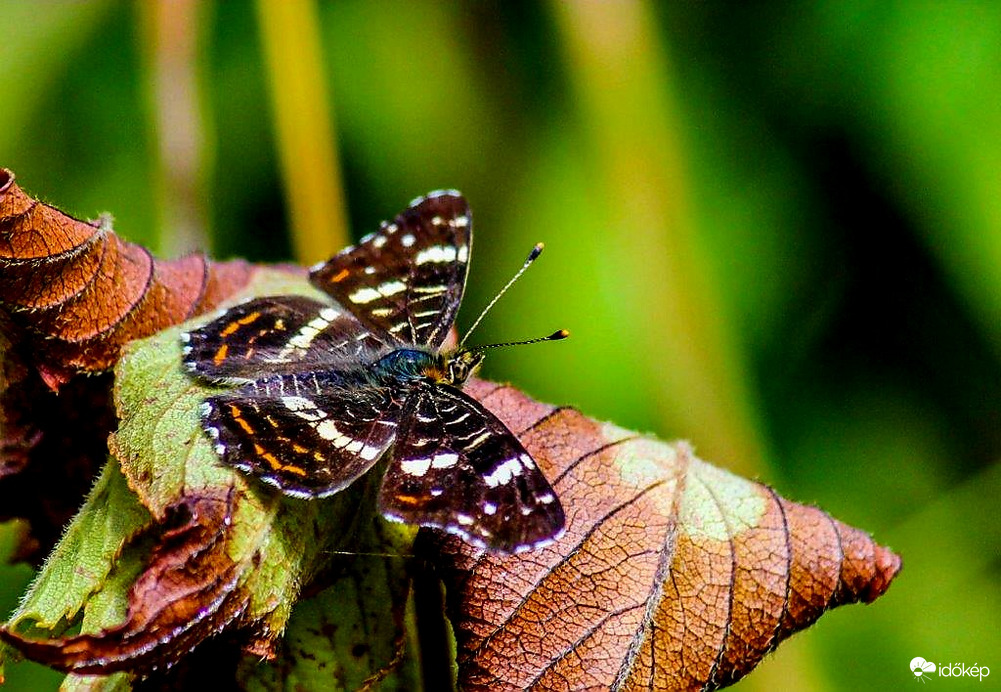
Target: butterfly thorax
(406, 365)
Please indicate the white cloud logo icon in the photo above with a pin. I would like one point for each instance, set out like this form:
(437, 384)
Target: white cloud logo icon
(921, 668)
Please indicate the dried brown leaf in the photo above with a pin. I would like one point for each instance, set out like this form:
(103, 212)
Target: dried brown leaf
(72, 294)
(185, 594)
(672, 574)
(77, 293)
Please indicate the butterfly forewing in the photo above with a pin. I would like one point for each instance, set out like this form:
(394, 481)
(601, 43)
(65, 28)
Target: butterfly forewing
(406, 279)
(278, 334)
(457, 467)
(327, 389)
(309, 434)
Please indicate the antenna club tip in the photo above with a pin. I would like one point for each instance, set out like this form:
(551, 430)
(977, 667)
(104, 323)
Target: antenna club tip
(536, 251)
(559, 334)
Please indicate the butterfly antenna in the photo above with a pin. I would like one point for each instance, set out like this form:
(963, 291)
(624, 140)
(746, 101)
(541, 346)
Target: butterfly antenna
(532, 256)
(555, 336)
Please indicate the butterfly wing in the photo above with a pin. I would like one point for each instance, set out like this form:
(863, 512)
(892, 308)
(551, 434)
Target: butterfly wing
(458, 468)
(406, 279)
(277, 334)
(309, 434)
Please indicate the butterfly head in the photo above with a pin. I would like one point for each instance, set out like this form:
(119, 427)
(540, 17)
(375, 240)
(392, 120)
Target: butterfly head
(461, 364)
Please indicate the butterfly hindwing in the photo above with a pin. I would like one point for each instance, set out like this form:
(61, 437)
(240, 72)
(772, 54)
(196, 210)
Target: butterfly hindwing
(406, 279)
(324, 390)
(277, 334)
(309, 434)
(457, 467)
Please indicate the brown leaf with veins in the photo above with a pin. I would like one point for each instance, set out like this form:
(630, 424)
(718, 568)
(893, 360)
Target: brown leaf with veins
(185, 594)
(78, 293)
(72, 294)
(672, 575)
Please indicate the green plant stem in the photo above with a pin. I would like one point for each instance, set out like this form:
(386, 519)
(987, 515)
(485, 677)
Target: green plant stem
(290, 33)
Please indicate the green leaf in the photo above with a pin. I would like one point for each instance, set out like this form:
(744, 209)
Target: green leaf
(90, 550)
(174, 547)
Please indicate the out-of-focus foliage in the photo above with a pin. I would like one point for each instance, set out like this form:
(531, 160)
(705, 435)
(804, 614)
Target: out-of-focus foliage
(772, 229)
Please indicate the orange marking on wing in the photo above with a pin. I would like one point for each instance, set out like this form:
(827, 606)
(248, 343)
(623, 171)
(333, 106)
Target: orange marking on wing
(291, 468)
(276, 464)
(235, 412)
(407, 499)
(340, 276)
(220, 355)
(243, 321)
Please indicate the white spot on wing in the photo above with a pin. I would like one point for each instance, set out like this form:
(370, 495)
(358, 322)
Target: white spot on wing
(489, 508)
(436, 253)
(444, 461)
(416, 467)
(379, 241)
(304, 338)
(365, 295)
(297, 403)
(408, 240)
(368, 452)
(391, 288)
(328, 431)
(503, 474)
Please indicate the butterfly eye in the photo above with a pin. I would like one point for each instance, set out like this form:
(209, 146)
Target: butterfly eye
(462, 365)
(458, 371)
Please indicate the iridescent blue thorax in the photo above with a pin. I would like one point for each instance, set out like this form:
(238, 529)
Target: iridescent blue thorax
(405, 365)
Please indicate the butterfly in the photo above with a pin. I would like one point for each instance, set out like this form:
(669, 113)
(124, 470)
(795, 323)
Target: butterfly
(324, 390)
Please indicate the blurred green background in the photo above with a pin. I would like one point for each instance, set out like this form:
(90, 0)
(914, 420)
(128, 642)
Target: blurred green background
(773, 230)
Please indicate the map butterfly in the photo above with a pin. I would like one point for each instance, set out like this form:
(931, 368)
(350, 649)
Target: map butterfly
(324, 390)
